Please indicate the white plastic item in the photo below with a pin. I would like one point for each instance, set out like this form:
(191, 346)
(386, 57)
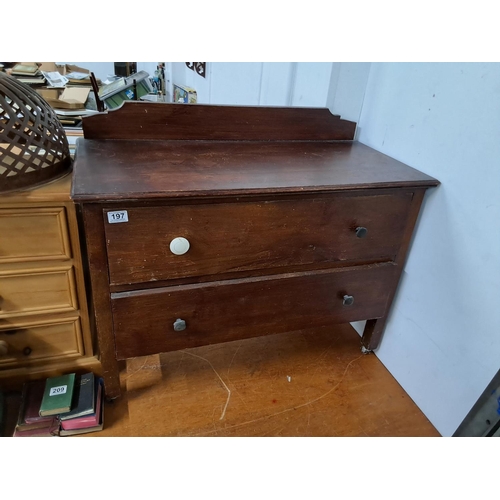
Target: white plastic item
(179, 246)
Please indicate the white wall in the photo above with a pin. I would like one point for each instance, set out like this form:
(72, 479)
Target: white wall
(442, 342)
(259, 83)
(347, 89)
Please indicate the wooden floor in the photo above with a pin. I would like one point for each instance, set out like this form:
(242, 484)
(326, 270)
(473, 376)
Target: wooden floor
(314, 383)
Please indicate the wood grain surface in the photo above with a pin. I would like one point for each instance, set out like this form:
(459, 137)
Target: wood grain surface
(168, 121)
(233, 237)
(235, 309)
(308, 383)
(119, 169)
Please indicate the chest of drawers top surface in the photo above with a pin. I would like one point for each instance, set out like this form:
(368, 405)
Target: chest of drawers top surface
(110, 170)
(162, 166)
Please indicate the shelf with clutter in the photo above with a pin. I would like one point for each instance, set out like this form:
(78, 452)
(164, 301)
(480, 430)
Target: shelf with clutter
(74, 92)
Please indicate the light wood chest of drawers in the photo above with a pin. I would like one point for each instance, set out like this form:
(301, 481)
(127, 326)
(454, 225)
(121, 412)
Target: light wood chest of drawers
(44, 321)
(207, 224)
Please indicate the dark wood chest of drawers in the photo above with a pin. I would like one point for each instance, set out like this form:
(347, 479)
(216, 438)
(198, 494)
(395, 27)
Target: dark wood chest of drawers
(206, 224)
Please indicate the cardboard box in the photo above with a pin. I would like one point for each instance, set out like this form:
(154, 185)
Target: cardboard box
(68, 98)
(68, 69)
(184, 94)
(71, 69)
(49, 67)
(75, 97)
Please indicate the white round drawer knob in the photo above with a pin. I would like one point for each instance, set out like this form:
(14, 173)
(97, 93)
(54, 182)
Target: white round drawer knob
(179, 246)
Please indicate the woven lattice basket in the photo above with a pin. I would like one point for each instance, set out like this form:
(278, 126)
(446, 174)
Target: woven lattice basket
(33, 144)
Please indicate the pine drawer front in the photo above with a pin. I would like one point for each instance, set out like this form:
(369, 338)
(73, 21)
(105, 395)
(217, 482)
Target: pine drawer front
(33, 235)
(246, 236)
(234, 309)
(30, 343)
(33, 291)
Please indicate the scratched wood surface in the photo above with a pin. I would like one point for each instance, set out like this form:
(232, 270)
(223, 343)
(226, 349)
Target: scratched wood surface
(232, 237)
(136, 170)
(307, 383)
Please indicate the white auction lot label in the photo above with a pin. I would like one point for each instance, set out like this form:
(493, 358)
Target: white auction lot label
(55, 391)
(119, 216)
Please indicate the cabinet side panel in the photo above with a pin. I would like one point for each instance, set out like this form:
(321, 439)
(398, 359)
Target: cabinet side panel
(374, 328)
(97, 261)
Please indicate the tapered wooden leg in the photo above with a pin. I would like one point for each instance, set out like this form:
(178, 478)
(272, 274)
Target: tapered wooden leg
(372, 333)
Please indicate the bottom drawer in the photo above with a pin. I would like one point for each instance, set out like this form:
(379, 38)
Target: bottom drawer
(31, 343)
(235, 309)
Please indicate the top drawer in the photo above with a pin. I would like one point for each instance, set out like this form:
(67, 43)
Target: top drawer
(31, 234)
(244, 236)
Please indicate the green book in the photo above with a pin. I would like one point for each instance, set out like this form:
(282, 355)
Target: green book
(58, 395)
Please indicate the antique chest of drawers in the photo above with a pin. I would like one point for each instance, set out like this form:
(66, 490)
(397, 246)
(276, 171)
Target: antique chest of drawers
(44, 321)
(206, 224)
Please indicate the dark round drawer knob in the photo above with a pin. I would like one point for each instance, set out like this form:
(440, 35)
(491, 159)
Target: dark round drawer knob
(361, 232)
(348, 300)
(27, 351)
(179, 325)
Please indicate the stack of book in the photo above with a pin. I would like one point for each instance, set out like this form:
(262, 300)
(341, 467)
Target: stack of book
(28, 73)
(86, 415)
(61, 406)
